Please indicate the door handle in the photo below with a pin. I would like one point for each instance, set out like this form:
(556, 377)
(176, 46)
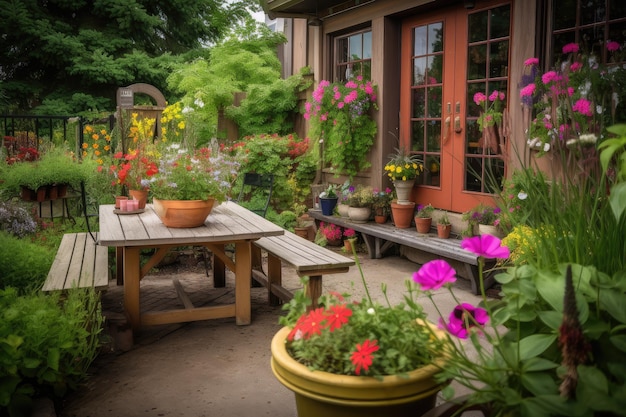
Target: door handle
(446, 129)
(457, 124)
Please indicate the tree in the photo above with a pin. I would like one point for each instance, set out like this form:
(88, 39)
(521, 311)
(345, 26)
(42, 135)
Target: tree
(67, 56)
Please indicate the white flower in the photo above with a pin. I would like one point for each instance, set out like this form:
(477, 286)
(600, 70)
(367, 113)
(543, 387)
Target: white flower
(371, 311)
(546, 147)
(522, 195)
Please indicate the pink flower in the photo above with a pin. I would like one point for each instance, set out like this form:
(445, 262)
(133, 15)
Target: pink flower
(337, 95)
(434, 274)
(353, 95)
(531, 61)
(575, 66)
(528, 91)
(583, 106)
(494, 95)
(351, 84)
(487, 246)
(612, 46)
(369, 89)
(549, 77)
(340, 105)
(479, 98)
(462, 318)
(570, 47)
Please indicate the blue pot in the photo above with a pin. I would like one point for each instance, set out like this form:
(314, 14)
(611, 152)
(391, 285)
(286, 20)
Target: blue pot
(328, 205)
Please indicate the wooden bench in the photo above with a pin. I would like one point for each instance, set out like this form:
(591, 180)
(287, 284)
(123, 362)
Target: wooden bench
(79, 263)
(308, 259)
(379, 238)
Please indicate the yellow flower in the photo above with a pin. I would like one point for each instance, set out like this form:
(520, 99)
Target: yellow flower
(107, 148)
(95, 136)
(398, 169)
(85, 145)
(97, 153)
(95, 146)
(181, 125)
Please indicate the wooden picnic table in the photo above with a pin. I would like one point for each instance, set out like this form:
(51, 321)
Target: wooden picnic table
(228, 223)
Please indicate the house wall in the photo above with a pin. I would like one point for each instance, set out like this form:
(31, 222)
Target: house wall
(386, 20)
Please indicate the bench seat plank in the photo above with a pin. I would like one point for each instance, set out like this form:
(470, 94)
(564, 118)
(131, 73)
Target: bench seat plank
(308, 259)
(79, 263)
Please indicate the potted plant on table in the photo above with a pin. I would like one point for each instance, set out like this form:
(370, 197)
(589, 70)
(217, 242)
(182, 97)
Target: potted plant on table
(328, 200)
(360, 204)
(191, 181)
(382, 205)
(485, 219)
(424, 218)
(403, 168)
(358, 358)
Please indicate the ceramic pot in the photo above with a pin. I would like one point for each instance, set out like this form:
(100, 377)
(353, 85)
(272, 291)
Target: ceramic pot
(402, 214)
(324, 394)
(422, 224)
(443, 230)
(360, 214)
(343, 210)
(328, 205)
(403, 190)
(488, 229)
(183, 213)
(139, 195)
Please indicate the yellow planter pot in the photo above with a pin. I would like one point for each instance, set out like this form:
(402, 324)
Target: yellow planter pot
(322, 394)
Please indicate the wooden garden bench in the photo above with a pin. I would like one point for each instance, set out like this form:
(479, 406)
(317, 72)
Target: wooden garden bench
(379, 238)
(79, 263)
(308, 259)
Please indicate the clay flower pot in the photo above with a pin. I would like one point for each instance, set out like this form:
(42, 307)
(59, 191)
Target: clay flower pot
(422, 224)
(443, 230)
(183, 213)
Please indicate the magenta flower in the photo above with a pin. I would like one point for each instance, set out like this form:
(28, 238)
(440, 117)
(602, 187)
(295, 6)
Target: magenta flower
(548, 77)
(479, 98)
(531, 61)
(575, 66)
(462, 318)
(583, 106)
(487, 246)
(494, 95)
(351, 84)
(434, 274)
(612, 46)
(528, 91)
(570, 47)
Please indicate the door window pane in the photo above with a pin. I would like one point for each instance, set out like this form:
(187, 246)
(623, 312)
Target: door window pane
(353, 56)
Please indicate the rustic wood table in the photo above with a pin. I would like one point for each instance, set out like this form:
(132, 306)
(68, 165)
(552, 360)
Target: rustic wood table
(228, 223)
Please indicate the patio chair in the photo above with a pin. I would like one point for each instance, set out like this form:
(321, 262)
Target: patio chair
(256, 192)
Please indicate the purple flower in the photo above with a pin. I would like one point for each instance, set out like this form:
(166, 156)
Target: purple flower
(462, 318)
(487, 246)
(434, 274)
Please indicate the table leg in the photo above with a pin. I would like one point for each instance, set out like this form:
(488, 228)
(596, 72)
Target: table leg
(243, 277)
(119, 265)
(219, 269)
(131, 286)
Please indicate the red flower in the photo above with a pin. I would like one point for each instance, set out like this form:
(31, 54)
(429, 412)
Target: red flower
(313, 323)
(338, 316)
(362, 356)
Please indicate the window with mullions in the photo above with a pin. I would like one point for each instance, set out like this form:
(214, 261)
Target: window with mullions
(353, 56)
(589, 23)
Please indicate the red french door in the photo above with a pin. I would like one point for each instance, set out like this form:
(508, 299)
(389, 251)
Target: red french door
(447, 57)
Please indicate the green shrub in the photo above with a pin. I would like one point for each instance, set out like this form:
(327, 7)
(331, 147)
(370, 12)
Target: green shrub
(25, 266)
(46, 345)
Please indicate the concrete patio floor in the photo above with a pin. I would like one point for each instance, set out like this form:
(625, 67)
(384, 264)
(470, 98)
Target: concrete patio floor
(216, 368)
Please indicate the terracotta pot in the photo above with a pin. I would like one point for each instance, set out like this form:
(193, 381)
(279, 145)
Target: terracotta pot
(42, 192)
(62, 190)
(53, 192)
(422, 224)
(28, 195)
(360, 214)
(402, 214)
(380, 219)
(347, 245)
(183, 213)
(328, 205)
(303, 232)
(443, 230)
(139, 195)
(324, 394)
(403, 190)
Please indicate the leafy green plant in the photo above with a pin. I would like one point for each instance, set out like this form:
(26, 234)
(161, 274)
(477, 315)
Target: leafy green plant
(56, 166)
(443, 219)
(25, 266)
(363, 196)
(340, 116)
(403, 166)
(425, 211)
(46, 345)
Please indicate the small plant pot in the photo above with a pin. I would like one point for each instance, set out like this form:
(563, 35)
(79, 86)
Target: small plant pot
(380, 219)
(443, 230)
(422, 224)
(328, 205)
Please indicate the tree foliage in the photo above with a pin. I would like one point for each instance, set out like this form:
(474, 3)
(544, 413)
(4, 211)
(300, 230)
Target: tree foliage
(72, 55)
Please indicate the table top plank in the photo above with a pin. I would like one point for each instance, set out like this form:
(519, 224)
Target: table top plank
(227, 222)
